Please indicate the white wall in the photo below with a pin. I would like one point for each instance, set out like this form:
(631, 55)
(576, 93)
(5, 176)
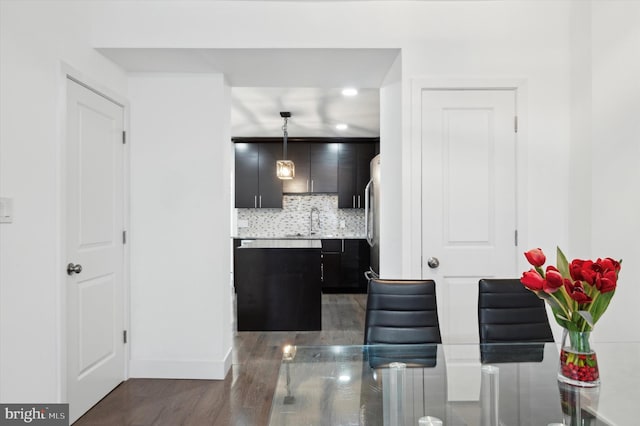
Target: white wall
(615, 230)
(35, 38)
(440, 38)
(180, 238)
(580, 164)
(525, 39)
(391, 179)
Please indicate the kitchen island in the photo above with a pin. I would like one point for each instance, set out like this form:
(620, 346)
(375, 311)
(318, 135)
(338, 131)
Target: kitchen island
(278, 284)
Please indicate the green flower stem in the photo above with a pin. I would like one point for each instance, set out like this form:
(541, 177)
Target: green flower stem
(561, 304)
(589, 307)
(580, 341)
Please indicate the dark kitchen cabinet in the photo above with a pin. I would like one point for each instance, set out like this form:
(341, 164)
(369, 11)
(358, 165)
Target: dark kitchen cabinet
(353, 173)
(344, 263)
(298, 153)
(277, 289)
(257, 185)
(331, 272)
(324, 167)
(354, 263)
(316, 168)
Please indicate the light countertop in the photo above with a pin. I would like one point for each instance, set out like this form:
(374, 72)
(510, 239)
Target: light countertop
(304, 237)
(280, 243)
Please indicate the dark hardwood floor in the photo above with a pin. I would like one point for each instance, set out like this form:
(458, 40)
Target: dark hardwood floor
(244, 396)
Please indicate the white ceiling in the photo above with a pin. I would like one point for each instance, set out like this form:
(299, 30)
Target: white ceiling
(315, 112)
(306, 82)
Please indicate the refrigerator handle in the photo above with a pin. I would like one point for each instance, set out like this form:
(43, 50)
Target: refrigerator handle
(367, 226)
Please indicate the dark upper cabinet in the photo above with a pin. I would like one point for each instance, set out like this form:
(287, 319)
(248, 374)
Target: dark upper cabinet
(298, 153)
(246, 169)
(256, 182)
(353, 173)
(324, 167)
(270, 195)
(316, 168)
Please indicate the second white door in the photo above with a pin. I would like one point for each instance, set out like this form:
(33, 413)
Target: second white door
(94, 264)
(468, 199)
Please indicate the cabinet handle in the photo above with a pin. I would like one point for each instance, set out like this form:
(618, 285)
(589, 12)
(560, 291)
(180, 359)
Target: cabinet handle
(354, 202)
(260, 201)
(311, 185)
(255, 201)
(342, 246)
(358, 201)
(307, 185)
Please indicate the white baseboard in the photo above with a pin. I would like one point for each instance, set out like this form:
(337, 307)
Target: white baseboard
(179, 369)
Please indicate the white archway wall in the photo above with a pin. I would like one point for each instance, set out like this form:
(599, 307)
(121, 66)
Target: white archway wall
(180, 243)
(528, 40)
(615, 157)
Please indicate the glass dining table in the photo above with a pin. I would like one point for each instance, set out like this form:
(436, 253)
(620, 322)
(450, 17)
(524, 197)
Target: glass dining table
(452, 384)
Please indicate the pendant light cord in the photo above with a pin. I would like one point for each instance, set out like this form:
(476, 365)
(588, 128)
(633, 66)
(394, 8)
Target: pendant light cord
(284, 145)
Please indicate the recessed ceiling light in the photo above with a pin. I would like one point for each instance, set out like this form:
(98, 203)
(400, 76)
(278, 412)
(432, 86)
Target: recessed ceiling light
(349, 91)
(341, 126)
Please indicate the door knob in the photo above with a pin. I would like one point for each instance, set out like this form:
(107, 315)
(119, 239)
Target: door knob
(71, 268)
(433, 262)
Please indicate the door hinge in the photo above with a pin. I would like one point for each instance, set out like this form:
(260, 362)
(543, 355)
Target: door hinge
(516, 237)
(515, 124)
(124, 237)
(124, 137)
(124, 336)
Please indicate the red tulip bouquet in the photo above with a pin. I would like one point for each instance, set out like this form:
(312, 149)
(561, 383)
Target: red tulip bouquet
(578, 294)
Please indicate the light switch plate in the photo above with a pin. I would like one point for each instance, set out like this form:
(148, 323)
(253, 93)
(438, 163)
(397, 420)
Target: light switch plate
(6, 210)
(243, 223)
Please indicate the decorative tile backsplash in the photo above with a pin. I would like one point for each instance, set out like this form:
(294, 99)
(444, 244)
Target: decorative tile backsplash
(293, 218)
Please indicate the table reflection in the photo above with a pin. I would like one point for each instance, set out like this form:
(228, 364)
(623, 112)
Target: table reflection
(452, 384)
(579, 405)
(403, 384)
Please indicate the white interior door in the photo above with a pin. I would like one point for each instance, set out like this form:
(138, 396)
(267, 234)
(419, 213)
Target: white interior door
(94, 243)
(468, 199)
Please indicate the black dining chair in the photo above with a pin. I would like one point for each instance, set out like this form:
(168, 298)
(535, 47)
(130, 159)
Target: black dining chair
(513, 328)
(401, 322)
(509, 313)
(401, 312)
(401, 325)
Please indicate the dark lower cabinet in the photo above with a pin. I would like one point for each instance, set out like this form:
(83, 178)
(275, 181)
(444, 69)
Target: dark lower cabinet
(331, 270)
(278, 289)
(344, 263)
(350, 265)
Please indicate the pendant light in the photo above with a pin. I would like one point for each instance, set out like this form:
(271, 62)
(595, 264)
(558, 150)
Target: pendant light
(285, 169)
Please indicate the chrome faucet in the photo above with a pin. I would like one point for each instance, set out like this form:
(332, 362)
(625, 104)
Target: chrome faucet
(313, 209)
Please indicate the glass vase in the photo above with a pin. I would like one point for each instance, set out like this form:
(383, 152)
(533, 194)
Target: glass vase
(578, 362)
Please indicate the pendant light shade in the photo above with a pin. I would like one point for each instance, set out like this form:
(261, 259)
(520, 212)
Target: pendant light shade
(285, 169)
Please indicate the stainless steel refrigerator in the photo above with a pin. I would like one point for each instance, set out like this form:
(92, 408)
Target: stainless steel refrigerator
(372, 217)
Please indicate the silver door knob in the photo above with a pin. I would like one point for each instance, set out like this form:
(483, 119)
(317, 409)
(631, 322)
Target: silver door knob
(71, 268)
(433, 262)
